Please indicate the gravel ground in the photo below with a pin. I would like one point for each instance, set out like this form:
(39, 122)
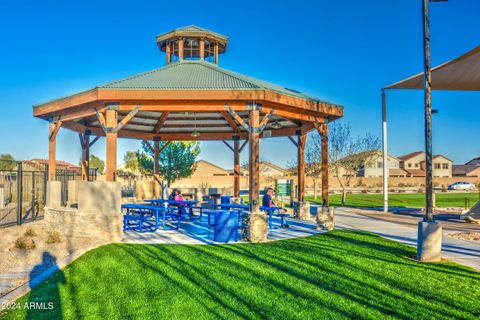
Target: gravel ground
(16, 264)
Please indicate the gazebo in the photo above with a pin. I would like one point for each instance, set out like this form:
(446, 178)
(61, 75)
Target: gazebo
(192, 98)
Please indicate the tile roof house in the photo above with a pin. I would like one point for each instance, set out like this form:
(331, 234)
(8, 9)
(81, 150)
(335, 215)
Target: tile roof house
(466, 170)
(414, 164)
(39, 164)
(475, 162)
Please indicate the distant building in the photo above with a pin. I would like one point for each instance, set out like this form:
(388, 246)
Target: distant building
(414, 164)
(373, 167)
(474, 162)
(466, 170)
(40, 164)
(267, 169)
(208, 169)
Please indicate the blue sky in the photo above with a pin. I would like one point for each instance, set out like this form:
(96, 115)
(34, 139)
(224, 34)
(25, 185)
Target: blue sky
(343, 51)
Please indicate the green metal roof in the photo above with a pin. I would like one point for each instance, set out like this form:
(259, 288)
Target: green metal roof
(194, 28)
(199, 75)
(195, 75)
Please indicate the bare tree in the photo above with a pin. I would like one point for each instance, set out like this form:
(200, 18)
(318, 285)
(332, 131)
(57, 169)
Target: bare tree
(313, 165)
(347, 155)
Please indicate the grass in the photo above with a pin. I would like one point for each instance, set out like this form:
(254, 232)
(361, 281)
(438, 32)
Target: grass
(411, 200)
(338, 275)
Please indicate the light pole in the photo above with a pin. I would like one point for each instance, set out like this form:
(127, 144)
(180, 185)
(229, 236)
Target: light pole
(429, 243)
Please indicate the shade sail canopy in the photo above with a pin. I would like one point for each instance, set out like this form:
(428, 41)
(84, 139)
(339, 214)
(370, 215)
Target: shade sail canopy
(462, 73)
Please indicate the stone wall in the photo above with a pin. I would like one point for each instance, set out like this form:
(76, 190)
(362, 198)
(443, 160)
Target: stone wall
(98, 215)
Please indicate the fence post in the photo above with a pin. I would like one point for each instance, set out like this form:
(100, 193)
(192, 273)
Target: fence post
(19, 192)
(34, 216)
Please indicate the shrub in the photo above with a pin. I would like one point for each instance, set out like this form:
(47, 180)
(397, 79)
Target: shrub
(364, 191)
(26, 243)
(30, 233)
(53, 237)
(401, 185)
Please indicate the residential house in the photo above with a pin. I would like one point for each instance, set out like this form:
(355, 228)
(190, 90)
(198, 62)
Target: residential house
(474, 162)
(414, 164)
(40, 164)
(373, 166)
(208, 169)
(267, 169)
(466, 170)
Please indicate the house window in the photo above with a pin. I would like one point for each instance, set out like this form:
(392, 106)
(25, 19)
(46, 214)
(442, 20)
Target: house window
(445, 165)
(409, 165)
(379, 164)
(416, 165)
(437, 165)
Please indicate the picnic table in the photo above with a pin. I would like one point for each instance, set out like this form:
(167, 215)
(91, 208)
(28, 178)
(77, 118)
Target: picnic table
(182, 204)
(271, 211)
(144, 217)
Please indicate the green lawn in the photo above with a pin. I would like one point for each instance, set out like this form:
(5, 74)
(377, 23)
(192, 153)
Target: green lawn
(338, 275)
(412, 200)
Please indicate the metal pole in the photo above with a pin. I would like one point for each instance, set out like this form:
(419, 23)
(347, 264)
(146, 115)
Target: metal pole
(19, 192)
(385, 152)
(428, 113)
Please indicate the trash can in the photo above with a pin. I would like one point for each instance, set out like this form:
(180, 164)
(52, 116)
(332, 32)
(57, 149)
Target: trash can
(225, 199)
(226, 226)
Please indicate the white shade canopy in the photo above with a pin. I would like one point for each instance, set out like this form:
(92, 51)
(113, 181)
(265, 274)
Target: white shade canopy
(462, 73)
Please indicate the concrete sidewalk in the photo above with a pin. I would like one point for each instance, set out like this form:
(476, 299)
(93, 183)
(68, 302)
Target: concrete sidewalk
(461, 251)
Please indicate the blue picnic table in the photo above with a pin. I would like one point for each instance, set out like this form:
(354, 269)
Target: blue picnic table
(271, 211)
(182, 204)
(144, 217)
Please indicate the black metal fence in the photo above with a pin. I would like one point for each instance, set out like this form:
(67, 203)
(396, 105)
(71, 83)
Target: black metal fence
(23, 189)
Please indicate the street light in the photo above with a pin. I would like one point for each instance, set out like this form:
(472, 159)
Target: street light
(429, 242)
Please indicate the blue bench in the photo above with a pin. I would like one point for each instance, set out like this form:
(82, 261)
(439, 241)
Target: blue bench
(275, 211)
(146, 218)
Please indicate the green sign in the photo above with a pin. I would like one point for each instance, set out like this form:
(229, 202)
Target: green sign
(283, 187)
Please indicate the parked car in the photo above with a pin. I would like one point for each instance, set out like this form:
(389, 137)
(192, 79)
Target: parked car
(461, 186)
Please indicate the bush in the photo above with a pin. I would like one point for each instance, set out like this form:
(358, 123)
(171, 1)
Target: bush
(30, 233)
(53, 237)
(401, 185)
(26, 243)
(364, 191)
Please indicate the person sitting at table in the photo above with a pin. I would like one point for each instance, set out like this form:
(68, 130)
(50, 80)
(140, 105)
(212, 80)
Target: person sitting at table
(267, 201)
(176, 195)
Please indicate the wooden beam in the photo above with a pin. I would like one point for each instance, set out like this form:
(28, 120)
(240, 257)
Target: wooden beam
(168, 51)
(111, 121)
(164, 146)
(181, 51)
(161, 121)
(156, 152)
(56, 127)
(229, 146)
(254, 162)
(230, 121)
(101, 119)
(202, 49)
(265, 119)
(52, 162)
(301, 166)
(235, 116)
(236, 168)
(215, 53)
(323, 131)
(293, 141)
(127, 118)
(85, 162)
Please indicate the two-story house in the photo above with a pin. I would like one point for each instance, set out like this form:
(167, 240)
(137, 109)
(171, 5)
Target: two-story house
(373, 166)
(414, 164)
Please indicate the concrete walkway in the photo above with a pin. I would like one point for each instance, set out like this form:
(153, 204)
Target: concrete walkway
(461, 251)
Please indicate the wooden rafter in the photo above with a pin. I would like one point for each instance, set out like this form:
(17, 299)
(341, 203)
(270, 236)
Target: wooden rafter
(161, 121)
(164, 146)
(94, 140)
(293, 141)
(127, 118)
(243, 145)
(57, 127)
(149, 145)
(228, 145)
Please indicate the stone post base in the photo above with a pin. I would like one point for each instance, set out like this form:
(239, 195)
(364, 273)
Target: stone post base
(429, 243)
(2, 198)
(254, 226)
(325, 219)
(54, 194)
(303, 212)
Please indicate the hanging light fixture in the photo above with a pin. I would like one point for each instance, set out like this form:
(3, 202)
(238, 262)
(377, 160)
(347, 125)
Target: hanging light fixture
(195, 132)
(276, 124)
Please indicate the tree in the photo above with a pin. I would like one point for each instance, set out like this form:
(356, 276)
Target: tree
(7, 162)
(96, 163)
(131, 161)
(176, 161)
(347, 155)
(313, 164)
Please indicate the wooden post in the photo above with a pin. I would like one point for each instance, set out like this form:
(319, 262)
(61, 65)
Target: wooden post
(111, 165)
(215, 52)
(254, 163)
(168, 51)
(181, 52)
(324, 137)
(236, 168)
(52, 148)
(301, 166)
(156, 152)
(202, 49)
(85, 141)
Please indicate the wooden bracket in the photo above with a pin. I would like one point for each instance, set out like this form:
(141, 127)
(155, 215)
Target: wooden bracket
(161, 121)
(321, 128)
(230, 121)
(127, 118)
(243, 146)
(247, 127)
(235, 116)
(229, 146)
(264, 122)
(101, 119)
(149, 146)
(94, 140)
(164, 146)
(293, 141)
(53, 134)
